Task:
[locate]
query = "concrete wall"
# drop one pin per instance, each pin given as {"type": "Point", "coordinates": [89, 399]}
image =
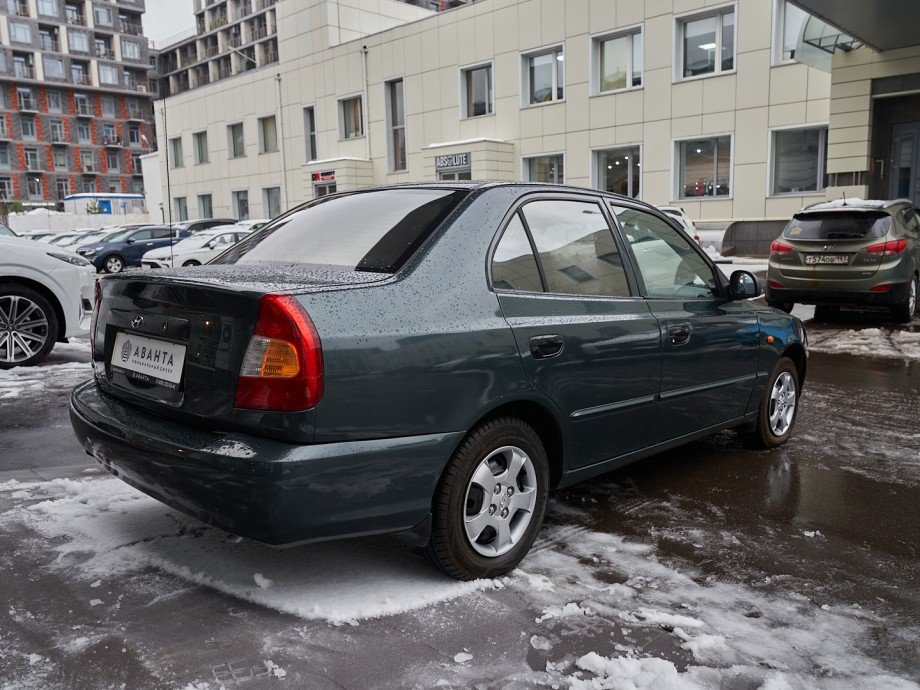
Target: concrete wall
{"type": "Point", "coordinates": [62, 222]}
{"type": "Point", "coordinates": [316, 70]}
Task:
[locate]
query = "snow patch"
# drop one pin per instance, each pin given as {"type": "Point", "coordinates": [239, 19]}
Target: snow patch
{"type": "Point", "coordinates": [462, 657]}
{"type": "Point", "coordinates": [262, 581]}
{"type": "Point", "coordinates": [570, 609]}
{"type": "Point", "coordinates": [873, 342]}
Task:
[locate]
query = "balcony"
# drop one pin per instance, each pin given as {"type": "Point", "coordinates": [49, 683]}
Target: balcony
{"type": "Point", "coordinates": [224, 72]}
{"type": "Point", "coordinates": [50, 45]}
{"type": "Point", "coordinates": [112, 142]}
{"type": "Point", "coordinates": [84, 110]}
{"type": "Point", "coordinates": [58, 138]}
{"type": "Point", "coordinates": [76, 20]}
{"type": "Point", "coordinates": [217, 23]}
{"type": "Point", "coordinates": [89, 167]}
{"type": "Point", "coordinates": [33, 165]}
{"type": "Point", "coordinates": [259, 32]}
{"type": "Point", "coordinates": [235, 41]}
{"type": "Point", "coordinates": [28, 103]}
{"type": "Point", "coordinates": [24, 71]}
{"type": "Point", "coordinates": [82, 80]}
{"type": "Point", "coordinates": [21, 8]}
{"type": "Point", "coordinates": [264, 4]}
{"type": "Point", "coordinates": [131, 28]}
{"type": "Point", "coordinates": [137, 113]}
{"type": "Point", "coordinates": [270, 57]}
{"type": "Point", "coordinates": [105, 53]}
{"type": "Point", "coordinates": [211, 51]}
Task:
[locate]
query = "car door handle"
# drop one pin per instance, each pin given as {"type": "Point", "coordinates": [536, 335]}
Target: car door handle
{"type": "Point", "coordinates": [545, 346]}
{"type": "Point", "coordinates": [150, 244]}
{"type": "Point", "coordinates": [679, 333]}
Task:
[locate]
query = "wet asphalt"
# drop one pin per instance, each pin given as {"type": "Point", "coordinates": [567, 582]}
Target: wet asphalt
{"type": "Point", "coordinates": [832, 516]}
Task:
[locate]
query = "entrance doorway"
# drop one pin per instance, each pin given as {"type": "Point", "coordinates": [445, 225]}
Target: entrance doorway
{"type": "Point", "coordinates": [905, 162]}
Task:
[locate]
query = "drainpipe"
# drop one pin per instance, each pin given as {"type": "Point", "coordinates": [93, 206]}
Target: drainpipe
{"type": "Point", "coordinates": [281, 146]}
{"type": "Point", "coordinates": [364, 108]}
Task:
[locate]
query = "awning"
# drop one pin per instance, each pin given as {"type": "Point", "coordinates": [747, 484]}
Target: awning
{"type": "Point", "coordinates": [880, 24]}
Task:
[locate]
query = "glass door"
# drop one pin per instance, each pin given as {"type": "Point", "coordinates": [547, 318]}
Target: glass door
{"type": "Point", "coordinates": [904, 162]}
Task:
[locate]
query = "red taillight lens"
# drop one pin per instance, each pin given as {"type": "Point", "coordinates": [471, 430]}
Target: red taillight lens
{"type": "Point", "coordinates": [283, 366]}
{"type": "Point", "coordinates": [774, 284]}
{"type": "Point", "coordinates": [889, 248]}
{"type": "Point", "coordinates": [97, 303]}
{"type": "Point", "coordinates": [881, 288]}
{"type": "Point", "coordinates": [780, 248]}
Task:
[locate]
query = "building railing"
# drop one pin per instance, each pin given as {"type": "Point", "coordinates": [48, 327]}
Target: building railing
{"type": "Point", "coordinates": [235, 41]}
{"type": "Point", "coordinates": [135, 114]}
{"type": "Point", "coordinates": [76, 20]}
{"type": "Point", "coordinates": [271, 56]}
{"type": "Point", "coordinates": [50, 45]}
{"type": "Point", "coordinates": [112, 141]}
{"type": "Point", "coordinates": [211, 51]}
{"type": "Point", "coordinates": [224, 72]}
{"type": "Point", "coordinates": [131, 28]}
{"type": "Point", "coordinates": [218, 22]}
{"type": "Point", "coordinates": [34, 165]}
{"type": "Point", "coordinates": [24, 71]}
{"type": "Point", "coordinates": [84, 109]}
{"type": "Point", "coordinates": [82, 80]}
{"type": "Point", "coordinates": [105, 53]}
{"type": "Point", "coordinates": [259, 32]}
{"type": "Point", "coordinates": [58, 138]}
{"type": "Point", "coordinates": [22, 9]}
{"type": "Point", "coordinates": [263, 4]}
{"type": "Point", "coordinates": [27, 103]}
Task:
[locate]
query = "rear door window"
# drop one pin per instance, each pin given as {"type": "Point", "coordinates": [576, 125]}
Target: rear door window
{"type": "Point", "coordinates": [838, 226]}
{"type": "Point", "coordinates": [575, 247]}
{"type": "Point", "coordinates": [142, 235]}
{"type": "Point", "coordinates": [514, 266]}
{"type": "Point", "coordinates": [374, 231]}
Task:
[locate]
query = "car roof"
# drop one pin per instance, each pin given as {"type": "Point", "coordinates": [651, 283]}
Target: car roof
{"type": "Point", "coordinates": [855, 205]}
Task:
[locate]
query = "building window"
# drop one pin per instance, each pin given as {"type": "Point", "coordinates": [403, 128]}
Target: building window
{"type": "Point", "coordinates": [26, 99]}
{"type": "Point", "coordinates": [617, 61]}
{"type": "Point", "coordinates": [35, 187]}
{"type": "Point", "coordinates": [82, 102]}
{"type": "Point", "coordinates": [108, 74]}
{"type": "Point", "coordinates": [109, 133]}
{"type": "Point", "coordinates": [237, 143]}
{"type": "Point", "coordinates": [88, 185]}
{"type": "Point", "coordinates": [78, 41]}
{"type": "Point", "coordinates": [55, 105]}
{"type": "Point", "coordinates": [89, 162]}
{"type": "Point", "coordinates": [130, 50]}
{"type": "Point", "coordinates": [241, 204]}
{"type": "Point", "coordinates": [136, 163]}
{"type": "Point", "coordinates": [57, 130]}
{"type": "Point", "coordinates": [20, 32]}
{"type": "Point", "coordinates": [137, 186]}
{"type": "Point", "coordinates": [112, 187]}
{"type": "Point", "coordinates": [799, 160]}
{"type": "Point", "coordinates": [205, 206]}
{"type": "Point", "coordinates": [62, 184]}
{"type": "Point", "coordinates": [396, 122]}
{"type": "Point", "coordinates": [134, 135]}
{"type": "Point", "coordinates": [4, 156]}
{"type": "Point", "coordinates": [704, 167]}
{"type": "Point", "coordinates": [28, 126]}
{"type": "Point", "coordinates": [477, 90]}
{"type": "Point", "coordinates": [113, 161]}
{"type": "Point", "coordinates": [60, 158]}
{"type": "Point", "coordinates": [6, 188]}
{"type": "Point", "coordinates": [268, 135]}
{"type": "Point", "coordinates": [309, 130]}
{"type": "Point", "coordinates": [48, 8]}
{"type": "Point", "coordinates": [32, 160]}
{"type": "Point", "coordinates": [84, 134]}
{"type": "Point", "coordinates": [54, 67]}
{"type": "Point", "coordinates": [108, 106]}
{"type": "Point", "coordinates": [619, 170]}
{"type": "Point", "coordinates": [789, 22]}
{"type": "Point", "coordinates": [544, 76]}
{"type": "Point", "coordinates": [103, 16]}
{"type": "Point", "coordinates": [322, 189]}
{"type": "Point", "coordinates": [175, 153]}
{"type": "Point", "coordinates": [707, 43]}
{"type": "Point", "coordinates": [545, 169]}
{"type": "Point", "coordinates": [271, 198]}
{"type": "Point", "coordinates": [351, 124]}
{"type": "Point", "coordinates": [200, 141]}
{"type": "Point", "coordinates": [181, 208]}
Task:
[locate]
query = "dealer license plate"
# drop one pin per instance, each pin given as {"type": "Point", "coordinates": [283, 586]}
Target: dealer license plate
{"type": "Point", "coordinates": [833, 259]}
{"type": "Point", "coordinates": [147, 359]}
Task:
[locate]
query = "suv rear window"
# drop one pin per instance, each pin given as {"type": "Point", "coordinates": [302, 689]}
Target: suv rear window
{"type": "Point", "coordinates": [367, 231]}
{"type": "Point", "coordinates": [837, 226]}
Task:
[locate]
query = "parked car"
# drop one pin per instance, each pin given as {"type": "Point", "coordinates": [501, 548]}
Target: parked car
{"type": "Point", "coordinates": [61, 239]}
{"type": "Point", "coordinates": [45, 298]}
{"type": "Point", "coordinates": [252, 225]}
{"type": "Point", "coordinates": [124, 249]}
{"type": "Point", "coordinates": [401, 359]}
{"type": "Point", "coordinates": [848, 253]}
{"type": "Point", "coordinates": [6, 231]}
{"type": "Point", "coordinates": [194, 226]}
{"type": "Point", "coordinates": [195, 250]}
{"type": "Point", "coordinates": [41, 235]}
{"type": "Point", "coordinates": [678, 214]}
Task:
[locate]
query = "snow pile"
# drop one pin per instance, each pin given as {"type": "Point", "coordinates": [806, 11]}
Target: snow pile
{"type": "Point", "coordinates": [877, 342]}
{"type": "Point", "coordinates": [23, 381]}
{"type": "Point", "coordinates": [103, 527]}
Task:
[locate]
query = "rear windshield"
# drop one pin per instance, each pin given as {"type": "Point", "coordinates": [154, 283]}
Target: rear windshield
{"type": "Point", "coordinates": [837, 226]}
{"type": "Point", "coordinates": [367, 231]}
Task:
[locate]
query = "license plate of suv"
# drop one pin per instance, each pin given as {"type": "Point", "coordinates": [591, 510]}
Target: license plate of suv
{"type": "Point", "coordinates": [832, 259]}
{"type": "Point", "coordinates": [147, 359]}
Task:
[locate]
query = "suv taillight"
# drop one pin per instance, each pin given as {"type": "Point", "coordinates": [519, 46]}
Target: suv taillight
{"type": "Point", "coordinates": [889, 248]}
{"type": "Point", "coordinates": [282, 369]}
{"type": "Point", "coordinates": [97, 303]}
{"type": "Point", "coordinates": [780, 248]}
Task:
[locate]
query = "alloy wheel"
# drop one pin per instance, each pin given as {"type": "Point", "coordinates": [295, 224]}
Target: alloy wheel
{"type": "Point", "coordinates": [782, 404]}
{"type": "Point", "coordinates": [500, 501]}
{"type": "Point", "coordinates": [912, 298]}
{"type": "Point", "coordinates": [113, 264]}
{"type": "Point", "coordinates": [23, 329]}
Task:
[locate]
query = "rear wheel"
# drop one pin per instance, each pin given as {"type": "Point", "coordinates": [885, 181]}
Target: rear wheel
{"type": "Point", "coordinates": [905, 311]}
{"type": "Point", "coordinates": [784, 306]}
{"type": "Point", "coordinates": [490, 502]}
{"type": "Point", "coordinates": [113, 264]}
{"type": "Point", "coordinates": [28, 327]}
{"type": "Point", "coordinates": [192, 262]}
{"type": "Point", "coordinates": [778, 406]}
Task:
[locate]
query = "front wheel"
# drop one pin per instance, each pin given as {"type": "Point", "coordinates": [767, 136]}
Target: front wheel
{"type": "Point", "coordinates": [191, 262]}
{"type": "Point", "coordinates": [490, 502]}
{"type": "Point", "coordinates": [778, 406]}
{"type": "Point", "coordinates": [28, 327]}
{"type": "Point", "coordinates": [905, 311]}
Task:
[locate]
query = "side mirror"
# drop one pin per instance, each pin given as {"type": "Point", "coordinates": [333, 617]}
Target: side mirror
{"type": "Point", "coordinates": [743, 285]}
{"type": "Point", "coordinates": [131, 240]}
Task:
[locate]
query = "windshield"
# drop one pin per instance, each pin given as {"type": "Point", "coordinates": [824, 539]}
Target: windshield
{"type": "Point", "coordinates": [837, 226]}
{"type": "Point", "coordinates": [367, 231]}
{"type": "Point", "coordinates": [6, 231]}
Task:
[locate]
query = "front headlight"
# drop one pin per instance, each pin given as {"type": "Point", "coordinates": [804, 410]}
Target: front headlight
{"type": "Point", "coordinates": [69, 258]}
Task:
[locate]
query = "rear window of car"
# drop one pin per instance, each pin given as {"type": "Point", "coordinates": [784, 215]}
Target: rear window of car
{"type": "Point", "coordinates": [837, 226]}
{"type": "Point", "coordinates": [367, 231]}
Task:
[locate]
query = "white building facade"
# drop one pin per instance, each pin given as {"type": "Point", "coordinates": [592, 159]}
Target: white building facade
{"type": "Point", "coordinates": [686, 102]}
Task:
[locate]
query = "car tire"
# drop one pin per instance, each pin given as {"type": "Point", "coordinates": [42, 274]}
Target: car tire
{"type": "Point", "coordinates": [904, 312]}
{"type": "Point", "coordinates": [191, 262]}
{"type": "Point", "coordinates": [113, 264]}
{"type": "Point", "coordinates": [463, 505]}
{"type": "Point", "coordinates": [34, 325]}
{"type": "Point", "coordinates": [778, 408]}
{"type": "Point", "coordinates": [783, 306]}
{"type": "Point", "coordinates": [823, 313]}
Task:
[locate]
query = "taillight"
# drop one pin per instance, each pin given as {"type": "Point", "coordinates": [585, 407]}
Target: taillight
{"type": "Point", "coordinates": [889, 248]}
{"type": "Point", "coordinates": [881, 288]}
{"type": "Point", "coordinates": [775, 284]}
{"type": "Point", "coordinates": [282, 369]}
{"type": "Point", "coordinates": [780, 248]}
{"type": "Point", "coordinates": [97, 303]}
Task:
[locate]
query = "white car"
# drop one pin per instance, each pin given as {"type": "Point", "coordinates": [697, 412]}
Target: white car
{"type": "Point", "coordinates": [195, 250]}
{"type": "Point", "coordinates": [46, 296]}
{"type": "Point", "coordinates": [678, 214]}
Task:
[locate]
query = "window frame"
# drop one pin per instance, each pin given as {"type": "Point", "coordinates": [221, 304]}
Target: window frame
{"type": "Point", "coordinates": [778, 35]}
{"type": "Point", "coordinates": [234, 203]}
{"type": "Point", "coordinates": [231, 143]}
{"type": "Point", "coordinates": [263, 148]}
{"type": "Point", "coordinates": [824, 128]}
{"type": "Point", "coordinates": [628, 32]}
{"type": "Point", "coordinates": [596, 162]}
{"type": "Point", "coordinates": [210, 210]}
{"type": "Point", "coordinates": [176, 153]}
{"type": "Point", "coordinates": [390, 87]}
{"type": "Point", "coordinates": [181, 210]}
{"type": "Point", "coordinates": [525, 166]}
{"type": "Point", "coordinates": [675, 168]}
{"type": "Point", "coordinates": [680, 22]}
{"type": "Point", "coordinates": [196, 146]}
{"type": "Point", "coordinates": [465, 73]}
{"type": "Point", "coordinates": [529, 55]}
{"type": "Point", "coordinates": [341, 109]}
{"type": "Point", "coordinates": [618, 239]}
{"type": "Point", "coordinates": [309, 131]}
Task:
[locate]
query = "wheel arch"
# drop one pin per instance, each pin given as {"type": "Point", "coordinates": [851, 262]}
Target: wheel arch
{"type": "Point", "coordinates": [45, 292]}
{"type": "Point", "coordinates": [796, 352]}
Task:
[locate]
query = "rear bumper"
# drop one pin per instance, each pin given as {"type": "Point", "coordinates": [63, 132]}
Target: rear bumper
{"type": "Point", "coordinates": [274, 492]}
{"type": "Point", "coordinates": [840, 298]}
